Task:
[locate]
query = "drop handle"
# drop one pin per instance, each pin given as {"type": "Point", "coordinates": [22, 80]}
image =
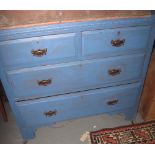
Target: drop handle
{"type": "Point", "coordinates": [44, 82]}
{"type": "Point", "coordinates": [112, 102]}
{"type": "Point", "coordinates": [114, 71]}
{"type": "Point", "coordinates": [50, 113]}
{"type": "Point", "coordinates": [39, 52]}
{"type": "Point", "coordinates": [118, 42]}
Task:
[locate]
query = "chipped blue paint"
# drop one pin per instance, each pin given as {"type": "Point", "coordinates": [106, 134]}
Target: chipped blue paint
{"type": "Point", "coordinates": [79, 68]}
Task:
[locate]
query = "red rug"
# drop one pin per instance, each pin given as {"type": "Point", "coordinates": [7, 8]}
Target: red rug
{"type": "Point", "coordinates": [143, 133]}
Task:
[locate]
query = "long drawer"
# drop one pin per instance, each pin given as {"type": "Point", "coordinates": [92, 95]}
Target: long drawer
{"type": "Point", "coordinates": [77, 76]}
{"type": "Point", "coordinates": [49, 110]}
{"type": "Point", "coordinates": [38, 50]}
{"type": "Point", "coordinates": [114, 41]}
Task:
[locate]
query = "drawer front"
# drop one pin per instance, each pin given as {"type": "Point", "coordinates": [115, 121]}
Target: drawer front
{"type": "Point", "coordinates": [37, 50]}
{"type": "Point", "coordinates": [114, 41]}
{"type": "Point", "coordinates": [63, 107]}
{"type": "Point", "coordinates": [71, 77]}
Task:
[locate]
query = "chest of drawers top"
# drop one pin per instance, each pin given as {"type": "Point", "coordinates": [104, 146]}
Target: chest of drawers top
{"type": "Point", "coordinates": [17, 19]}
{"type": "Point", "coordinates": [23, 24]}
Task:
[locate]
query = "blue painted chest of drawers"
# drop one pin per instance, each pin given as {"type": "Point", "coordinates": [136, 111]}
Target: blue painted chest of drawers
{"type": "Point", "coordinates": [64, 71]}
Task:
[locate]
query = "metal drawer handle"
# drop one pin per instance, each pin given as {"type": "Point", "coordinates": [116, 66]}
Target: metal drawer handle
{"type": "Point", "coordinates": [50, 113]}
{"type": "Point", "coordinates": [39, 52]}
{"type": "Point", "coordinates": [118, 42]}
{"type": "Point", "coordinates": [112, 102]}
{"type": "Point", "coordinates": [114, 72]}
{"type": "Point", "coordinates": [44, 82]}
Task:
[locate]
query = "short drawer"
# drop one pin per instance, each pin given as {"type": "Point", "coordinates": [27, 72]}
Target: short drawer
{"type": "Point", "coordinates": [76, 76]}
{"type": "Point", "coordinates": [39, 50]}
{"type": "Point", "coordinates": [114, 41]}
{"type": "Point", "coordinates": [49, 110]}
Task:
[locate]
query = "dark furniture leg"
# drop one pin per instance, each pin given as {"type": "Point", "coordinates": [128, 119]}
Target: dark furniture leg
{"type": "Point", "coordinates": [2, 110]}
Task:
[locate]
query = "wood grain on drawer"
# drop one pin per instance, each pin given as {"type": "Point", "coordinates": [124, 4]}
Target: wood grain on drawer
{"type": "Point", "coordinates": [76, 76]}
{"type": "Point", "coordinates": [114, 41]}
{"type": "Point", "coordinates": [54, 109]}
{"type": "Point", "coordinates": [37, 50]}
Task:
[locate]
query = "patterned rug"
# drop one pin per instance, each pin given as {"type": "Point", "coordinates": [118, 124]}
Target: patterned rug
{"type": "Point", "coordinates": [143, 133]}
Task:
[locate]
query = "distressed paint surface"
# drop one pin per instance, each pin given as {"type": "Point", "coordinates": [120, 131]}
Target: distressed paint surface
{"type": "Point", "coordinates": [78, 104]}
{"type": "Point", "coordinates": [99, 42]}
{"type": "Point", "coordinates": [19, 52]}
{"type": "Point", "coordinates": [134, 58]}
{"type": "Point", "coordinates": [77, 76]}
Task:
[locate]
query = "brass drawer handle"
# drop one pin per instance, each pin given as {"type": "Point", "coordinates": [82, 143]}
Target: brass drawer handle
{"type": "Point", "coordinates": [114, 72]}
{"type": "Point", "coordinates": [50, 113]}
{"type": "Point", "coordinates": [44, 82]}
{"type": "Point", "coordinates": [112, 102]}
{"type": "Point", "coordinates": [118, 42]}
{"type": "Point", "coordinates": [39, 52]}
